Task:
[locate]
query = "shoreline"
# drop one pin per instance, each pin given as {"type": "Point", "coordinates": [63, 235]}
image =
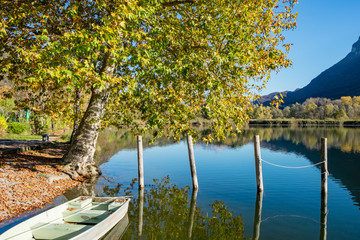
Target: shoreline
{"type": "Point", "coordinates": [31, 179]}
{"type": "Point", "coordinates": [205, 123]}
{"type": "Point", "coordinates": [303, 123]}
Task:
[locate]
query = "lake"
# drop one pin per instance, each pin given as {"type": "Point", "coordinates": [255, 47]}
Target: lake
{"type": "Point", "coordinates": [227, 205]}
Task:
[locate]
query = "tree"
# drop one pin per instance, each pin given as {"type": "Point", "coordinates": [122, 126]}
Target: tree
{"type": "Point", "coordinates": [310, 110]}
{"type": "Point", "coordinates": [143, 64]}
{"type": "Point", "coordinates": [329, 110]}
{"type": "Point", "coordinates": [297, 110]}
{"type": "Point", "coordinates": [346, 100]}
{"type": "Point", "coordinates": [276, 113]}
{"type": "Point", "coordinates": [287, 112]}
{"type": "Point", "coordinates": [356, 100]}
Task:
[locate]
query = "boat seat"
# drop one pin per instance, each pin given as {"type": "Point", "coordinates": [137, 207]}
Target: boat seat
{"type": "Point", "coordinates": [88, 217]}
{"type": "Point", "coordinates": [59, 231]}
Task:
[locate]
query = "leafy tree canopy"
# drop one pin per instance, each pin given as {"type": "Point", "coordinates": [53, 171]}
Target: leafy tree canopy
{"type": "Point", "coordinates": [161, 61]}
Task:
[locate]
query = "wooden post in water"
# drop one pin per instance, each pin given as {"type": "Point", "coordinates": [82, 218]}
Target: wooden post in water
{"type": "Point", "coordinates": [192, 162]}
{"type": "Point", "coordinates": [140, 162]}
{"type": "Point", "coordinates": [324, 166]}
{"type": "Point", "coordinates": [141, 210]}
{"type": "Point", "coordinates": [259, 177]}
{"type": "Point", "coordinates": [257, 217]}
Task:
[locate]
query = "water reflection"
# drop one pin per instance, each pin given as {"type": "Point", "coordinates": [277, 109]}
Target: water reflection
{"type": "Point", "coordinates": [323, 216]}
{"type": "Point", "coordinates": [347, 140]}
{"type": "Point", "coordinates": [343, 147]}
{"type": "Point", "coordinates": [257, 217]}
{"type": "Point", "coordinates": [281, 203]}
{"type": "Point", "coordinates": [164, 211]}
{"type": "Point", "coordinates": [84, 189]}
{"type": "Point", "coordinates": [141, 210]}
{"type": "Point", "coordinates": [192, 211]}
{"type": "Point", "coordinates": [117, 232]}
{"type": "Point", "coordinates": [344, 139]}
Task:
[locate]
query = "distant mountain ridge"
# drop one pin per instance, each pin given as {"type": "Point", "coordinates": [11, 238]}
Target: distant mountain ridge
{"type": "Point", "coordinates": [342, 79]}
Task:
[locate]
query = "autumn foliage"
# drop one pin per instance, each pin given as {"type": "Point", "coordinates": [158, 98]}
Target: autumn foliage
{"type": "Point", "coordinates": [147, 65]}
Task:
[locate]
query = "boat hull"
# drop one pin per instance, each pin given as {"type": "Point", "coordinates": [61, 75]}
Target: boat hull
{"type": "Point", "coordinates": [71, 220]}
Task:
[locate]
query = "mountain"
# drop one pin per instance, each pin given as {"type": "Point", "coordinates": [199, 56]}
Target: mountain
{"type": "Point", "coordinates": [266, 99]}
{"type": "Point", "coordinates": [342, 79]}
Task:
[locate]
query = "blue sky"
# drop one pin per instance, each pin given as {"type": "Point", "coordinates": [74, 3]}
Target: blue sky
{"type": "Point", "coordinates": [326, 30]}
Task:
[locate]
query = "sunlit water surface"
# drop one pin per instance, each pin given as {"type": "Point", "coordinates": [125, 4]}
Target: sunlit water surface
{"type": "Point", "coordinates": [291, 201]}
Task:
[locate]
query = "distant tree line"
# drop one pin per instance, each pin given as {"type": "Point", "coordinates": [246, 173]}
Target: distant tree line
{"type": "Point", "coordinates": [312, 108]}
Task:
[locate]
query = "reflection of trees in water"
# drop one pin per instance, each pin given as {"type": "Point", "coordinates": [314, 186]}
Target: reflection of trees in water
{"type": "Point", "coordinates": [347, 139]}
{"type": "Point", "coordinates": [111, 141]}
{"type": "Point", "coordinates": [86, 188]}
{"type": "Point", "coordinates": [167, 212]}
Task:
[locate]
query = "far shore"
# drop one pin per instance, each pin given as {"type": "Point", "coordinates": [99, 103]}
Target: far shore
{"type": "Point", "coordinates": [204, 123]}
{"type": "Point", "coordinates": [303, 123]}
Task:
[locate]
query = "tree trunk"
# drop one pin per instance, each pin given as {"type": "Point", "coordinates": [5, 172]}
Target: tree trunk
{"type": "Point", "coordinates": [76, 113]}
{"type": "Point", "coordinates": [80, 156]}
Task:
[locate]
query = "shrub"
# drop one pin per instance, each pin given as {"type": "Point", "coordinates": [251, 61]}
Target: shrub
{"type": "Point", "coordinates": [3, 125]}
{"type": "Point", "coordinates": [66, 137]}
{"type": "Point", "coordinates": [39, 123]}
{"type": "Point", "coordinates": [17, 128]}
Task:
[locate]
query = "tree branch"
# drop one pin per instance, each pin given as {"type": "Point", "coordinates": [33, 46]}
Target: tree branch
{"type": "Point", "coordinates": [174, 3]}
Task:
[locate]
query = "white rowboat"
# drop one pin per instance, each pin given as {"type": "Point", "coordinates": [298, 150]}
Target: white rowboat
{"type": "Point", "coordinates": [81, 218]}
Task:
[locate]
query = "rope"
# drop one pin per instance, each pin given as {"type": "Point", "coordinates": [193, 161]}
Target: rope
{"type": "Point", "coordinates": [276, 165]}
{"type": "Point", "coordinates": [295, 216]}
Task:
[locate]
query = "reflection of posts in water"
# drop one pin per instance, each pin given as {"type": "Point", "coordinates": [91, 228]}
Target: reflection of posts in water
{"type": "Point", "coordinates": [257, 217]}
{"type": "Point", "coordinates": [192, 211]}
{"type": "Point", "coordinates": [324, 189]}
{"type": "Point", "coordinates": [323, 216]}
{"type": "Point", "coordinates": [141, 209]}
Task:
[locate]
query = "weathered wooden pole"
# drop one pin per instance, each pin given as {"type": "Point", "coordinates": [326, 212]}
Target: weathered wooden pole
{"type": "Point", "coordinates": [192, 162]}
{"type": "Point", "coordinates": [257, 217]}
{"type": "Point", "coordinates": [192, 211]}
{"type": "Point", "coordinates": [141, 210]}
{"type": "Point", "coordinates": [324, 190]}
{"type": "Point", "coordinates": [259, 177]}
{"type": "Point", "coordinates": [324, 166]}
{"type": "Point", "coordinates": [140, 162]}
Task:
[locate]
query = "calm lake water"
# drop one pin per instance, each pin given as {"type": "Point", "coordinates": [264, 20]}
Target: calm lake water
{"type": "Point", "coordinates": [226, 205]}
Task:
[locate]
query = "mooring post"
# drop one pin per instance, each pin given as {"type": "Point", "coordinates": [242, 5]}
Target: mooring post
{"type": "Point", "coordinates": [140, 161]}
{"type": "Point", "coordinates": [192, 162]}
{"type": "Point", "coordinates": [259, 177]}
{"type": "Point", "coordinates": [324, 166]}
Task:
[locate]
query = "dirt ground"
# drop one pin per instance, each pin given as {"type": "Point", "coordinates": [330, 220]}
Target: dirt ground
{"type": "Point", "coordinates": [31, 179]}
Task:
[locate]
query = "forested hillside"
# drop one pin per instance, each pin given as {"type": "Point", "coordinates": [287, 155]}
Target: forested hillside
{"type": "Point", "coordinates": [342, 79]}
